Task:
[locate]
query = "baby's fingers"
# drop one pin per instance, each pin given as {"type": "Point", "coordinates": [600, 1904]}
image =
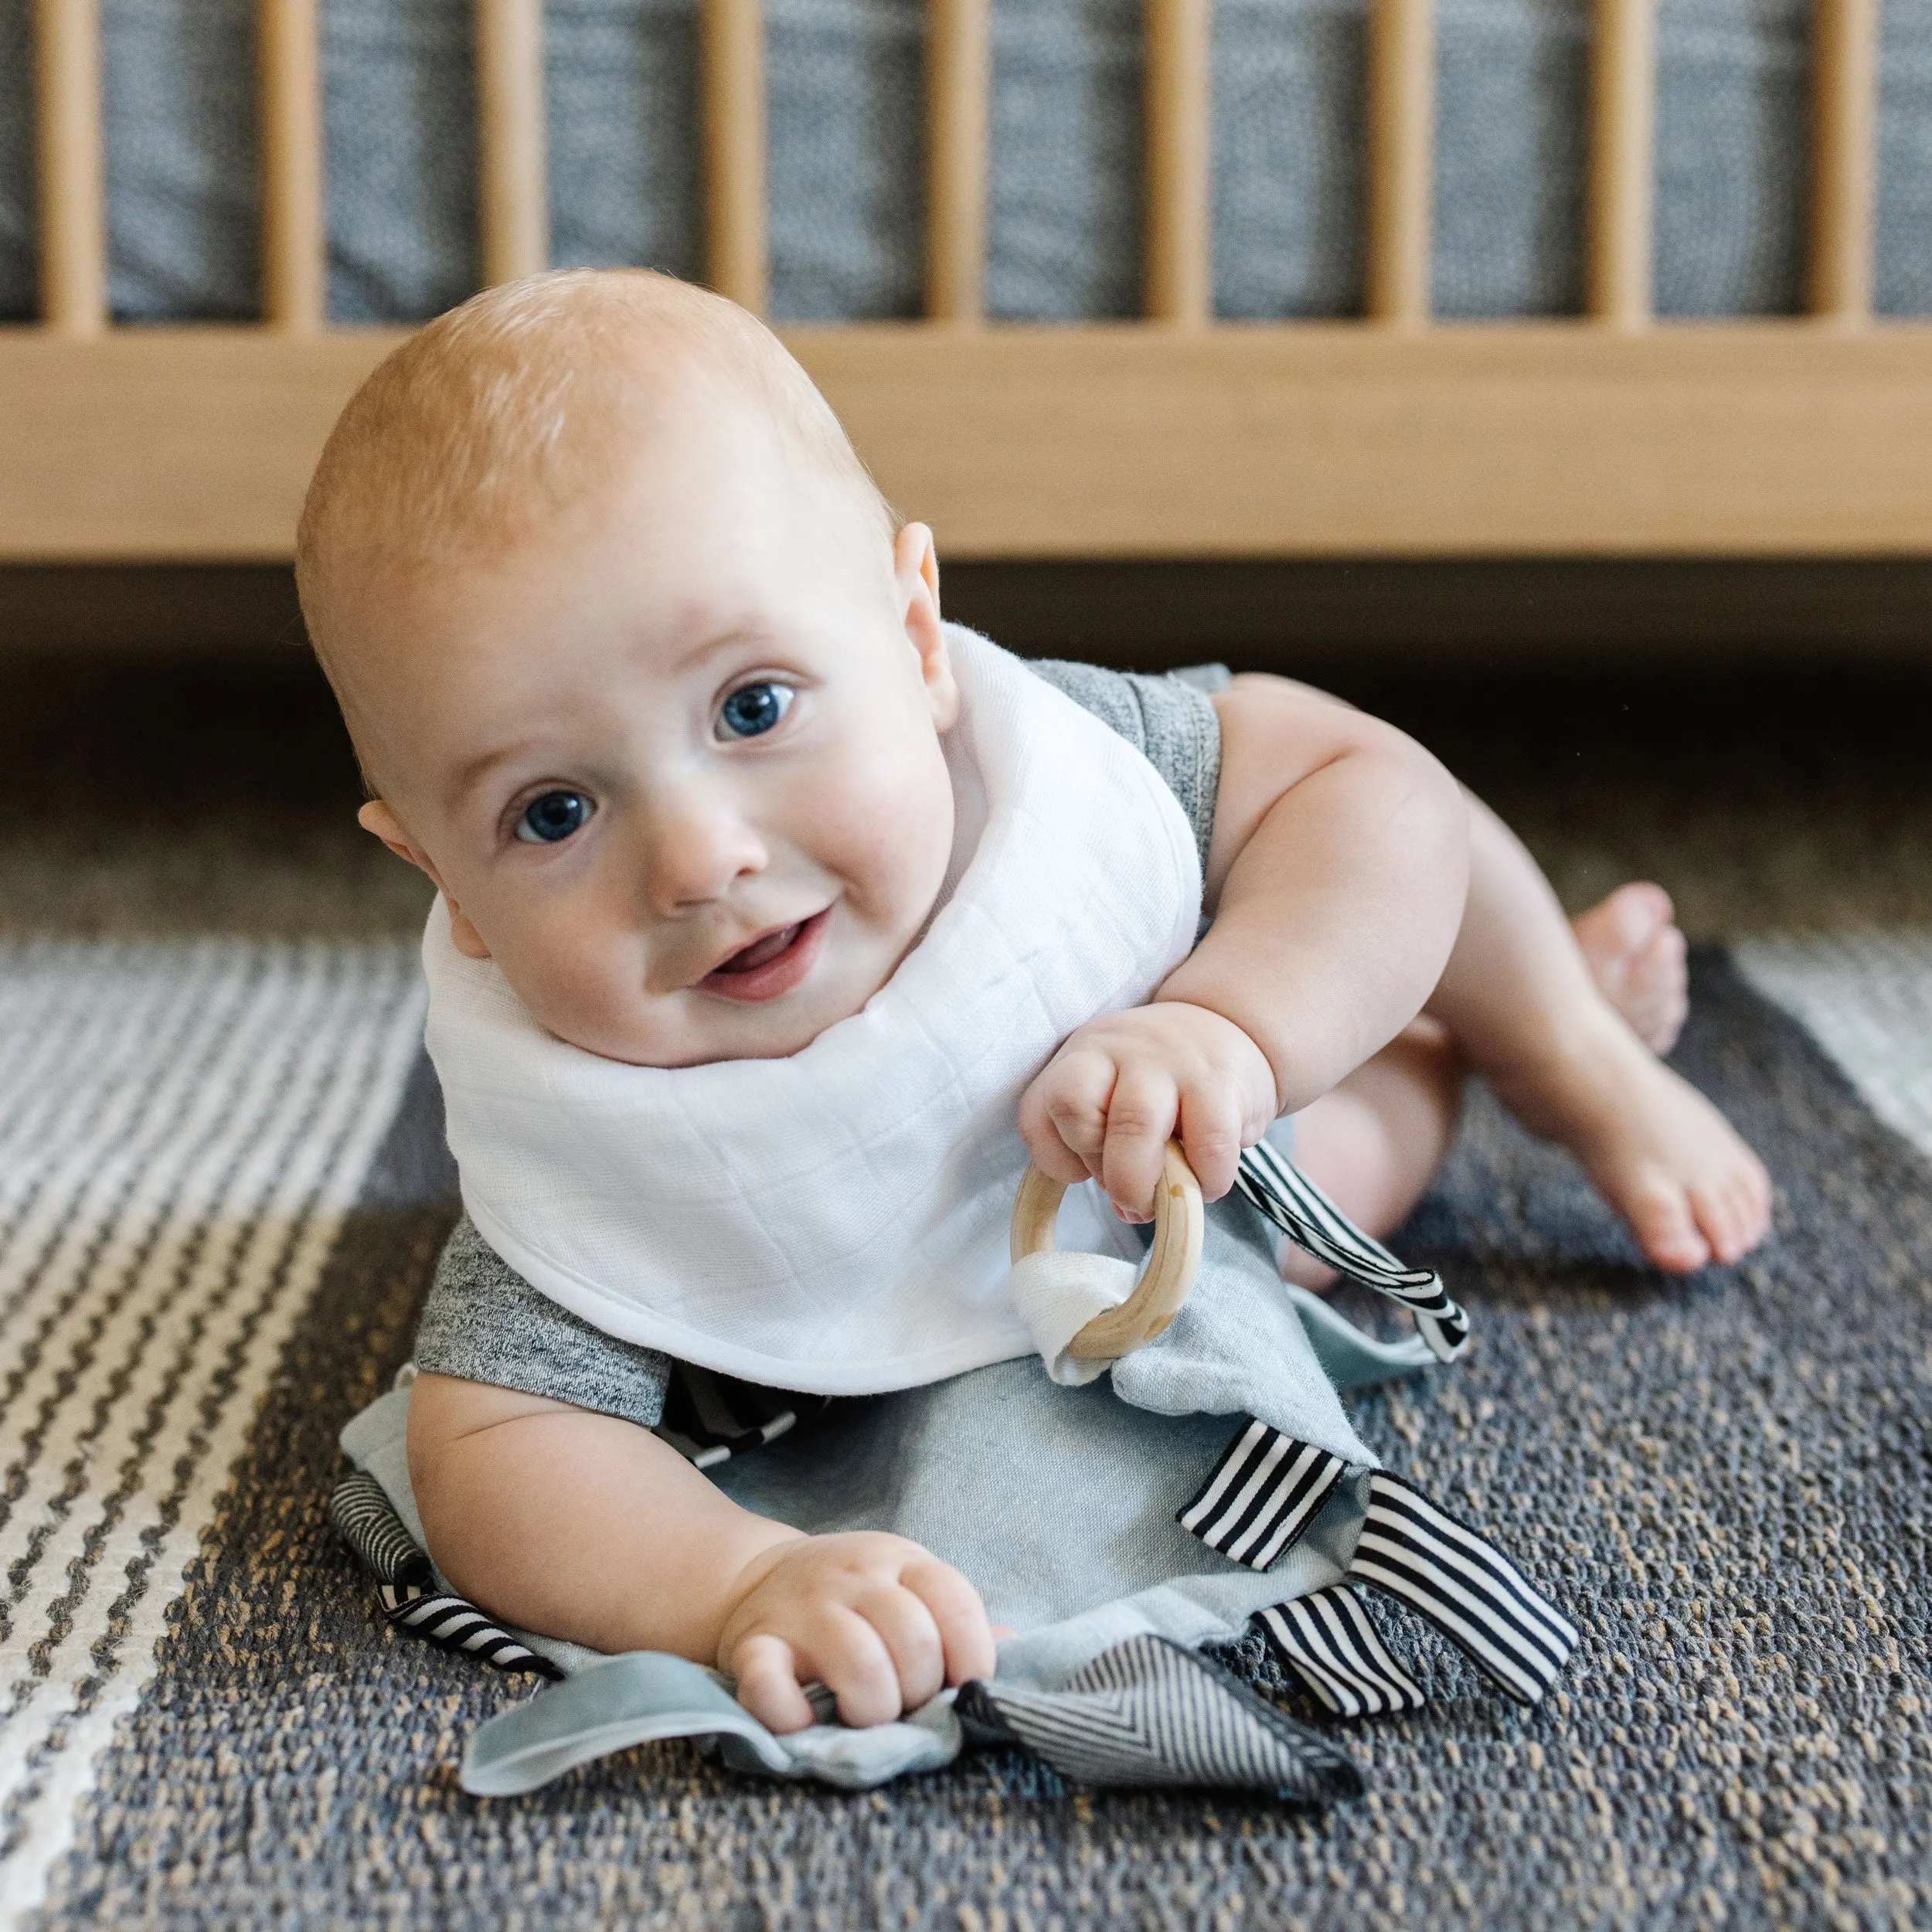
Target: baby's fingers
{"type": "Point", "coordinates": [965, 1637]}
{"type": "Point", "coordinates": [767, 1676]}
{"type": "Point", "coordinates": [1211, 1135]}
{"type": "Point", "coordinates": [907, 1628]}
{"type": "Point", "coordinates": [1063, 1115]}
{"type": "Point", "coordinates": [1140, 1123]}
{"type": "Point", "coordinates": [858, 1668]}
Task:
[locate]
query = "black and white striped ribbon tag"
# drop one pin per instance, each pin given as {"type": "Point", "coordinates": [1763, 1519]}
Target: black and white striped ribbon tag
{"type": "Point", "coordinates": [1309, 1219]}
{"type": "Point", "coordinates": [1328, 1642]}
{"type": "Point", "coordinates": [1264, 1492]}
{"type": "Point", "coordinates": [1421, 1555]}
{"type": "Point", "coordinates": [455, 1623]}
{"type": "Point", "coordinates": [365, 1519]}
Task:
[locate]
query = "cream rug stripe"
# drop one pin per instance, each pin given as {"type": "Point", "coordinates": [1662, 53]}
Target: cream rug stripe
{"type": "Point", "coordinates": [1866, 997]}
{"type": "Point", "coordinates": [56, 1122]}
{"type": "Point", "coordinates": [183, 1127]}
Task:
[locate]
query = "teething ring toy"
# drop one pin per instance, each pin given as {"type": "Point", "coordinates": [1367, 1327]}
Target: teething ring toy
{"type": "Point", "coordinates": [1172, 1262]}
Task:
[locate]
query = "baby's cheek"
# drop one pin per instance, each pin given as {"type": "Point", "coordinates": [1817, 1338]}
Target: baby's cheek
{"type": "Point", "coordinates": [586, 984]}
{"type": "Point", "coordinates": [888, 836]}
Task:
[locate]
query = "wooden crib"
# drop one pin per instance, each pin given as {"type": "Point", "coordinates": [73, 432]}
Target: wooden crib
{"type": "Point", "coordinates": [1174, 436]}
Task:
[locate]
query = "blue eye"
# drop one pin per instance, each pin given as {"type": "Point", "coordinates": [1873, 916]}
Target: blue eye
{"type": "Point", "coordinates": [553, 817]}
{"type": "Point", "coordinates": [753, 708]}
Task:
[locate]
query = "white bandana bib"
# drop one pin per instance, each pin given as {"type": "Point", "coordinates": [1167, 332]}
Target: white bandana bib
{"type": "Point", "coordinates": [836, 1222]}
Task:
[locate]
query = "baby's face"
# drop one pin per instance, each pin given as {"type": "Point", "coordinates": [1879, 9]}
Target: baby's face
{"type": "Point", "coordinates": [675, 761]}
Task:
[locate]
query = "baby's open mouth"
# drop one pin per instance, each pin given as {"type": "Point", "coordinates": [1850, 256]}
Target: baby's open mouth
{"type": "Point", "coordinates": [771, 964]}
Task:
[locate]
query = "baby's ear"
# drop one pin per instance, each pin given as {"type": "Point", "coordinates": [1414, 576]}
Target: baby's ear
{"type": "Point", "coordinates": [916, 571]}
{"type": "Point", "coordinates": [375, 817]}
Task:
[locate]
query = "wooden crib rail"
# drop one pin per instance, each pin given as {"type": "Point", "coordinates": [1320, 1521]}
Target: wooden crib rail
{"type": "Point", "coordinates": [1394, 435]}
{"type": "Point", "coordinates": [67, 156]}
{"type": "Point", "coordinates": [959, 65]}
{"type": "Point", "coordinates": [736, 252]}
{"type": "Point", "coordinates": [1623, 124]}
{"type": "Point", "coordinates": [1401, 160]}
{"type": "Point", "coordinates": [294, 246]}
{"type": "Point", "coordinates": [511, 173]}
{"type": "Point", "coordinates": [1844, 143]}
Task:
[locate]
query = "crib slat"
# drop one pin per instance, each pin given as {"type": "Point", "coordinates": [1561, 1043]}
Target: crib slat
{"type": "Point", "coordinates": [511, 182]}
{"type": "Point", "coordinates": [958, 70]}
{"type": "Point", "coordinates": [1843, 133]}
{"type": "Point", "coordinates": [1179, 54]}
{"type": "Point", "coordinates": [73, 247]}
{"type": "Point", "coordinates": [289, 78]}
{"type": "Point", "coordinates": [1401, 58]}
{"type": "Point", "coordinates": [735, 255]}
{"type": "Point", "coordinates": [1623, 119]}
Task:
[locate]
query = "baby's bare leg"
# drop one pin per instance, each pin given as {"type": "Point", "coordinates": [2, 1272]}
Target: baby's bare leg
{"type": "Point", "coordinates": [1549, 1014]}
{"type": "Point", "coordinates": [1374, 1143]}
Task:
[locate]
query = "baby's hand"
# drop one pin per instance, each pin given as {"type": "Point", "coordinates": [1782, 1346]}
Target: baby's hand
{"type": "Point", "coordinates": [883, 1624]}
{"type": "Point", "coordinates": [1123, 1086]}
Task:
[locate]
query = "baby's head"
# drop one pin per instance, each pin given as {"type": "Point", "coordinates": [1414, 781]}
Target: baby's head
{"type": "Point", "coordinates": [640, 669]}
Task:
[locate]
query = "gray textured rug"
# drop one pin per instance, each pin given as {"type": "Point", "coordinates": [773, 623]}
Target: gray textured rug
{"type": "Point", "coordinates": [1725, 1481]}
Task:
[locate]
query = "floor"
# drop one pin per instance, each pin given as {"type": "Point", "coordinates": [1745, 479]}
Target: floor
{"type": "Point", "coordinates": [1741, 1741]}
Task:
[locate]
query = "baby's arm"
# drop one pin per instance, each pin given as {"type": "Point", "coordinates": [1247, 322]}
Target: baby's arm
{"type": "Point", "coordinates": [1336, 879]}
{"type": "Point", "coordinates": [588, 1528]}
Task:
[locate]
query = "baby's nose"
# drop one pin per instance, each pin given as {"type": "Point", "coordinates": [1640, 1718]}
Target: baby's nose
{"type": "Point", "coordinates": [694, 852]}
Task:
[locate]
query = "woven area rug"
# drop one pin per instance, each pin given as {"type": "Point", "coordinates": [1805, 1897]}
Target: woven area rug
{"type": "Point", "coordinates": [222, 1191]}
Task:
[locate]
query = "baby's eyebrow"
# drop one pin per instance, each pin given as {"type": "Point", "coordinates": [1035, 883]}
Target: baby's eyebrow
{"type": "Point", "coordinates": [470, 774]}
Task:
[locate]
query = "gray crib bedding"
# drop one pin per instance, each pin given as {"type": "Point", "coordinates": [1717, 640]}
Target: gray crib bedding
{"type": "Point", "coordinates": [846, 111]}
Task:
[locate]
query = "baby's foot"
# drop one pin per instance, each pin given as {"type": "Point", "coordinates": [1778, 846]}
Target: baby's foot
{"type": "Point", "coordinates": [1635, 953]}
{"type": "Point", "coordinates": [1659, 1152]}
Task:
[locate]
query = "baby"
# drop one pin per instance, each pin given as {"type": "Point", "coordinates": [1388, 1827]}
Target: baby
{"type": "Point", "coordinates": [647, 678]}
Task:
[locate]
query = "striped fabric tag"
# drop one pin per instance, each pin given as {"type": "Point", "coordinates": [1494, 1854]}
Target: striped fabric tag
{"type": "Point", "coordinates": [366, 1520]}
{"type": "Point", "coordinates": [453, 1623]}
{"type": "Point", "coordinates": [1309, 1219]}
{"type": "Point", "coordinates": [1421, 1555]}
{"type": "Point", "coordinates": [1328, 1642]}
{"type": "Point", "coordinates": [1263, 1493]}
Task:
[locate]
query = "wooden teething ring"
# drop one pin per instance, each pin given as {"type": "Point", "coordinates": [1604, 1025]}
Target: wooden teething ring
{"type": "Point", "coordinates": [1171, 1263]}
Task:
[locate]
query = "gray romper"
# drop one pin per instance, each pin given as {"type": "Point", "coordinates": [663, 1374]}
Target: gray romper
{"type": "Point", "coordinates": [1213, 1477]}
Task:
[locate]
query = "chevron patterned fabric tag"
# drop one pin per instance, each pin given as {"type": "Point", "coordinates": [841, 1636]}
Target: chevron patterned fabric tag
{"type": "Point", "coordinates": [1263, 1493]}
{"type": "Point", "coordinates": [1327, 1639]}
{"type": "Point", "coordinates": [1312, 1222]}
{"type": "Point", "coordinates": [1148, 1712]}
{"type": "Point", "coordinates": [1420, 1554]}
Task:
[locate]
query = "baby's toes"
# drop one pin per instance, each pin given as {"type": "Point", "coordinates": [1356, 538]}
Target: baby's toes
{"type": "Point", "coordinates": [1720, 1217]}
{"type": "Point", "coordinates": [1667, 1226]}
{"type": "Point", "coordinates": [1734, 1215]}
{"type": "Point", "coordinates": [1656, 1000]}
{"type": "Point", "coordinates": [1749, 1195]}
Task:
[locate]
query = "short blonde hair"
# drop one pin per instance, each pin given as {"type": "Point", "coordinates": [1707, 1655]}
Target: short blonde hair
{"type": "Point", "coordinates": [503, 412]}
